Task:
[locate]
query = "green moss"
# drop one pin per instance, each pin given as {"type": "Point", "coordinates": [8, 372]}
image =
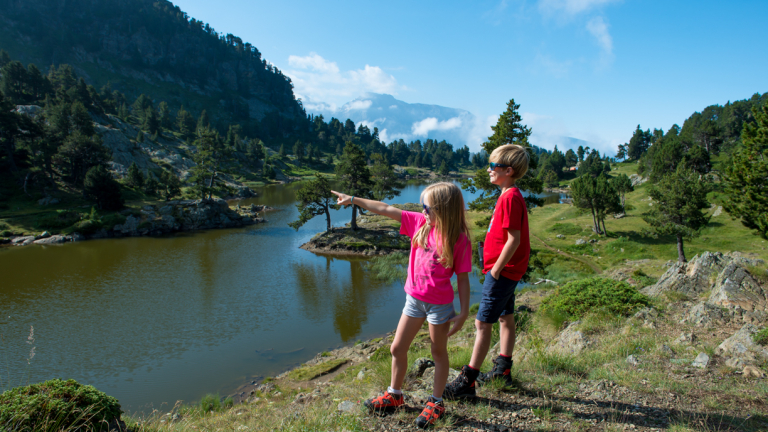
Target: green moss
{"type": "Point", "coordinates": [761, 337]}
{"type": "Point", "coordinates": [306, 373]}
{"type": "Point", "coordinates": [57, 405]}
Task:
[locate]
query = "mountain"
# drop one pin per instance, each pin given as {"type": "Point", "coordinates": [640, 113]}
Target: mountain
{"type": "Point", "coordinates": [153, 47]}
{"type": "Point", "coordinates": [397, 119]}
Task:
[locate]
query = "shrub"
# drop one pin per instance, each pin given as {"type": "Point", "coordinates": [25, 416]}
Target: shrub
{"type": "Point", "coordinates": [575, 299]}
{"type": "Point", "coordinates": [57, 405]}
{"type": "Point", "coordinates": [761, 337]}
{"type": "Point", "coordinates": [58, 220]}
{"type": "Point", "coordinates": [213, 403]}
{"type": "Point", "coordinates": [87, 227]}
{"type": "Point", "coordinates": [565, 229]}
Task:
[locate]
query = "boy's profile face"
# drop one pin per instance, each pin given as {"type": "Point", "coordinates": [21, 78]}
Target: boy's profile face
{"type": "Point", "coordinates": [500, 175]}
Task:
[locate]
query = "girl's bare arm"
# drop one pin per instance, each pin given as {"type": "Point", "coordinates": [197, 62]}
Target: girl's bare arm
{"type": "Point", "coordinates": [377, 207]}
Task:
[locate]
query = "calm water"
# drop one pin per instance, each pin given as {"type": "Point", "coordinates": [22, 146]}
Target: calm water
{"type": "Point", "coordinates": [156, 320]}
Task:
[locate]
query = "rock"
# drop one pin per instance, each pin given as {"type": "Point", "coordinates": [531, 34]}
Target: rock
{"type": "Point", "coordinates": [735, 287]}
{"type": "Point", "coordinates": [718, 211]}
{"type": "Point", "coordinates": [348, 407]}
{"type": "Point", "coordinates": [19, 241]}
{"type": "Point", "coordinates": [741, 346]}
{"type": "Point", "coordinates": [701, 361]}
{"type": "Point", "coordinates": [690, 278]}
{"type": "Point", "coordinates": [130, 227]}
{"type": "Point", "coordinates": [429, 377]}
{"type": "Point", "coordinates": [632, 360]}
{"type": "Point", "coordinates": [751, 371]}
{"type": "Point", "coordinates": [637, 180]}
{"type": "Point", "coordinates": [646, 313]}
{"type": "Point", "coordinates": [29, 110]}
{"type": "Point", "coordinates": [47, 201]}
{"type": "Point", "coordinates": [421, 365]}
{"type": "Point", "coordinates": [735, 362]}
{"type": "Point", "coordinates": [570, 341]}
{"type": "Point", "coordinates": [57, 239]}
{"type": "Point", "coordinates": [667, 351]}
{"type": "Point", "coordinates": [560, 236]}
{"type": "Point", "coordinates": [77, 237]}
{"type": "Point", "coordinates": [580, 242]}
{"type": "Point", "coordinates": [686, 338]}
{"type": "Point", "coordinates": [420, 396]}
{"type": "Point", "coordinates": [44, 235]}
{"type": "Point", "coordinates": [360, 375]}
{"type": "Point", "coordinates": [618, 215]}
{"type": "Point", "coordinates": [704, 314]}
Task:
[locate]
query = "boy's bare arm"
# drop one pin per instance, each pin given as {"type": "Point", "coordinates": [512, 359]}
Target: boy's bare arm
{"type": "Point", "coordinates": [513, 241]}
{"type": "Point", "coordinates": [462, 280]}
{"type": "Point", "coordinates": [377, 207]}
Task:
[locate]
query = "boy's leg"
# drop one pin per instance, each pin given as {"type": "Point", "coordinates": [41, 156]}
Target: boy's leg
{"type": "Point", "coordinates": [407, 329]}
{"type": "Point", "coordinates": [439, 335]}
{"type": "Point", "coordinates": [482, 343]}
{"type": "Point", "coordinates": [507, 334]}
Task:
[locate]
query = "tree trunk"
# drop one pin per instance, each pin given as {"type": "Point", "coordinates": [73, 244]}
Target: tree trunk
{"type": "Point", "coordinates": [680, 251]}
{"type": "Point", "coordinates": [605, 231]}
{"type": "Point", "coordinates": [327, 219]}
{"type": "Point", "coordinates": [353, 224]}
{"type": "Point", "coordinates": [594, 221]}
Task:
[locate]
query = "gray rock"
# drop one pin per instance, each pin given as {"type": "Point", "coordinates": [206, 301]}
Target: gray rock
{"type": "Point", "coordinates": [690, 278]}
{"type": "Point", "coordinates": [348, 407]}
{"type": "Point", "coordinates": [76, 237]}
{"type": "Point", "coordinates": [419, 397]}
{"type": "Point", "coordinates": [570, 341]}
{"type": "Point", "coordinates": [632, 360]}
{"type": "Point", "coordinates": [130, 227]}
{"type": "Point", "coordinates": [735, 287]}
{"type": "Point", "coordinates": [686, 338]}
{"type": "Point", "coordinates": [420, 365]}
{"type": "Point", "coordinates": [667, 351]}
{"type": "Point", "coordinates": [581, 242]}
{"type": "Point", "coordinates": [45, 234]}
{"type": "Point", "coordinates": [29, 110]}
{"type": "Point", "coordinates": [20, 241]}
{"type": "Point", "coordinates": [429, 377]}
{"type": "Point", "coordinates": [57, 239]}
{"type": "Point", "coordinates": [47, 201]}
{"type": "Point", "coordinates": [360, 375]}
{"type": "Point", "coordinates": [704, 314]}
{"type": "Point", "coordinates": [741, 346]}
{"type": "Point", "coordinates": [560, 236]}
{"type": "Point", "coordinates": [637, 180]}
{"type": "Point", "coordinates": [701, 361]}
{"type": "Point", "coordinates": [646, 313]}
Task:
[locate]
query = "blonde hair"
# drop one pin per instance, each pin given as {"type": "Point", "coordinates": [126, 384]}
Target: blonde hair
{"type": "Point", "coordinates": [447, 211]}
{"type": "Point", "coordinates": [513, 155]}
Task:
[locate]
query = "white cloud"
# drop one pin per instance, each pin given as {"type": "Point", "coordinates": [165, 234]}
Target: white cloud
{"type": "Point", "coordinates": [551, 66]}
{"type": "Point", "coordinates": [423, 127]}
{"type": "Point", "coordinates": [599, 29]}
{"type": "Point", "coordinates": [570, 7]}
{"type": "Point", "coordinates": [358, 105]}
{"type": "Point", "coordinates": [316, 79]}
{"type": "Point", "coordinates": [393, 107]}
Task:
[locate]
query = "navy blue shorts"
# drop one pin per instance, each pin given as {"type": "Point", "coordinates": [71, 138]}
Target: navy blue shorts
{"type": "Point", "coordinates": [498, 299]}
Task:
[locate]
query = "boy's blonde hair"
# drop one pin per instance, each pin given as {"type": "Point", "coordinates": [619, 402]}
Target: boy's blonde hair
{"type": "Point", "coordinates": [446, 209]}
{"type": "Point", "coordinates": [513, 155]}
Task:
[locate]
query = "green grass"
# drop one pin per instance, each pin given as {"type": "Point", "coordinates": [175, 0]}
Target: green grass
{"type": "Point", "coordinates": [306, 373]}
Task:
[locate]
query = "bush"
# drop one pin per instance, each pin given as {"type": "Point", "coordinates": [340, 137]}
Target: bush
{"type": "Point", "coordinates": [565, 229]}
{"type": "Point", "coordinates": [56, 220]}
{"type": "Point", "coordinates": [86, 227]}
{"type": "Point", "coordinates": [761, 337]}
{"type": "Point", "coordinates": [57, 405]}
{"type": "Point", "coordinates": [575, 299]}
{"type": "Point", "coordinates": [213, 403]}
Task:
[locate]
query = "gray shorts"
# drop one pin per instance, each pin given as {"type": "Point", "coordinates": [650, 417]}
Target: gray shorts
{"type": "Point", "coordinates": [434, 313]}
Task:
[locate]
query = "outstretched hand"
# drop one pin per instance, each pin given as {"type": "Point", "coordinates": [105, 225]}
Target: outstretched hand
{"type": "Point", "coordinates": [458, 323]}
{"type": "Point", "coordinates": [342, 199]}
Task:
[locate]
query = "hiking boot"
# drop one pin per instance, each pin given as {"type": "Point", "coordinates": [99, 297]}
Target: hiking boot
{"type": "Point", "coordinates": [502, 370]}
{"type": "Point", "coordinates": [463, 386]}
{"type": "Point", "coordinates": [385, 403]}
{"type": "Point", "coordinates": [431, 412]}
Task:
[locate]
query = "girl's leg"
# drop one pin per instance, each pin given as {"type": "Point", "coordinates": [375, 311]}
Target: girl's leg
{"type": "Point", "coordinates": [439, 335]}
{"type": "Point", "coordinates": [406, 331]}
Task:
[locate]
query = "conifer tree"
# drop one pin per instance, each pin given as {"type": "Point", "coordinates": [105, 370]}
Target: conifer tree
{"type": "Point", "coordinates": [314, 199]}
{"type": "Point", "coordinates": [746, 178]}
{"type": "Point", "coordinates": [134, 178]}
{"type": "Point", "coordinates": [298, 150]}
{"type": "Point", "coordinates": [386, 184]}
{"type": "Point", "coordinates": [623, 185]}
{"type": "Point", "coordinates": [100, 186]}
{"type": "Point", "coordinates": [678, 201]}
{"type": "Point", "coordinates": [171, 184]}
{"type": "Point", "coordinates": [354, 175]}
{"type": "Point", "coordinates": [164, 114]}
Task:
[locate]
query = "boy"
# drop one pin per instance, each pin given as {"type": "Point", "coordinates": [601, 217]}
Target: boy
{"type": "Point", "coordinates": [505, 260]}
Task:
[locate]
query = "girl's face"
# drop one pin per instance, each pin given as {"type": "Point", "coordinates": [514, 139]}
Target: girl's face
{"type": "Point", "coordinates": [427, 212]}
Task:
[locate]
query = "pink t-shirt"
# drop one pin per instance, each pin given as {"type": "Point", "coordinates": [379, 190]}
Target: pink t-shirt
{"type": "Point", "coordinates": [428, 280]}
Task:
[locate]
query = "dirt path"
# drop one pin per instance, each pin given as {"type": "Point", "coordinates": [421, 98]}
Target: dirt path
{"type": "Point", "coordinates": [591, 265]}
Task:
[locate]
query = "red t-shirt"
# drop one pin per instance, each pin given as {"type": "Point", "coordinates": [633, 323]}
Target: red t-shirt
{"type": "Point", "coordinates": [510, 214]}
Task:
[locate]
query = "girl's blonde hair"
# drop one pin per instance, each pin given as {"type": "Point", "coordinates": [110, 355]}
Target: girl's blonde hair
{"type": "Point", "coordinates": [446, 209]}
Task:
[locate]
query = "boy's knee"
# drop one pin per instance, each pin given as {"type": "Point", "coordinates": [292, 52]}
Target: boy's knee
{"type": "Point", "coordinates": [483, 327]}
{"type": "Point", "coordinates": [508, 320]}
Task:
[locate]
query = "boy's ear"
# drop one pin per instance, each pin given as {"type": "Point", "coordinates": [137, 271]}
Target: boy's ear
{"type": "Point", "coordinates": [510, 171]}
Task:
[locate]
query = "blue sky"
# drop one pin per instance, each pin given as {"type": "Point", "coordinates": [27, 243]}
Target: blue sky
{"type": "Point", "coordinates": [588, 69]}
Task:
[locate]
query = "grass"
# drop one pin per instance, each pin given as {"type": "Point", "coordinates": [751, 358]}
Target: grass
{"type": "Point", "coordinates": [309, 372]}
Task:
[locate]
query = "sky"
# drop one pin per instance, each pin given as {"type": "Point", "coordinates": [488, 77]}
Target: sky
{"type": "Point", "coordinates": [587, 69]}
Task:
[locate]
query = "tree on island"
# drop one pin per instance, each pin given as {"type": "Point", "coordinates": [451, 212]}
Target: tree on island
{"type": "Point", "coordinates": [314, 199]}
{"type": "Point", "coordinates": [355, 176]}
{"type": "Point", "coordinates": [211, 153]}
{"type": "Point", "coordinates": [678, 200]}
{"type": "Point", "coordinates": [746, 179]}
{"type": "Point", "coordinates": [386, 184]}
{"type": "Point", "coordinates": [508, 130]}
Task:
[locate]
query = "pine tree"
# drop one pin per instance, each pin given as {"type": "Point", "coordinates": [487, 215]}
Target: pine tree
{"type": "Point", "coordinates": [678, 200]}
{"type": "Point", "coordinates": [386, 184]}
{"type": "Point", "coordinates": [354, 175]}
{"type": "Point", "coordinates": [623, 185]}
{"type": "Point", "coordinates": [298, 150]}
{"type": "Point", "coordinates": [100, 186]}
{"type": "Point", "coordinates": [171, 184]}
{"type": "Point", "coordinates": [134, 178]}
{"type": "Point", "coordinates": [165, 115]}
{"type": "Point", "coordinates": [184, 123]}
{"type": "Point", "coordinates": [746, 178]}
{"type": "Point", "coordinates": [314, 199]}
{"type": "Point", "coordinates": [281, 153]}
{"type": "Point", "coordinates": [508, 130]}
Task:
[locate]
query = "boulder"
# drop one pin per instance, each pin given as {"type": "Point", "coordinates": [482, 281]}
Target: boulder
{"type": "Point", "coordinates": [49, 200]}
{"type": "Point", "coordinates": [741, 349]}
{"type": "Point", "coordinates": [570, 341]}
{"type": "Point", "coordinates": [130, 227]}
{"type": "Point", "coordinates": [705, 314]}
{"type": "Point", "coordinates": [580, 242]}
{"type": "Point", "coordinates": [632, 360]}
{"type": "Point", "coordinates": [736, 288]}
{"type": "Point", "coordinates": [56, 239]}
{"type": "Point", "coordinates": [637, 180]}
{"type": "Point", "coordinates": [690, 278]}
{"type": "Point", "coordinates": [701, 361]}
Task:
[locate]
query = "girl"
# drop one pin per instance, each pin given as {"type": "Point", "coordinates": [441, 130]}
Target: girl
{"type": "Point", "coordinates": [440, 247]}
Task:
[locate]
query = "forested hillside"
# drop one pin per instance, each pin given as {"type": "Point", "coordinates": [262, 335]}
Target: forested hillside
{"type": "Point", "coordinates": [153, 47]}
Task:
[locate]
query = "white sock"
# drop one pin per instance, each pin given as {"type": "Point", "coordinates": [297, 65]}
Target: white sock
{"type": "Point", "coordinates": [393, 391]}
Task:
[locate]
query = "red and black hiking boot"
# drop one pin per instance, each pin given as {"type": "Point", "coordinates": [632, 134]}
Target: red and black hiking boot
{"type": "Point", "coordinates": [431, 412]}
{"type": "Point", "coordinates": [463, 386]}
{"type": "Point", "coordinates": [502, 371]}
{"type": "Point", "coordinates": [385, 403]}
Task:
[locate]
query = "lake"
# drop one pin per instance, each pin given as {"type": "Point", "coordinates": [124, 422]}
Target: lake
{"type": "Point", "coordinates": [153, 320]}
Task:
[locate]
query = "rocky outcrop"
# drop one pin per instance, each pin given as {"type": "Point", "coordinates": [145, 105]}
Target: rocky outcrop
{"type": "Point", "coordinates": [741, 350]}
{"type": "Point", "coordinates": [637, 179]}
{"type": "Point", "coordinates": [570, 341]}
{"type": "Point", "coordinates": [735, 288]}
